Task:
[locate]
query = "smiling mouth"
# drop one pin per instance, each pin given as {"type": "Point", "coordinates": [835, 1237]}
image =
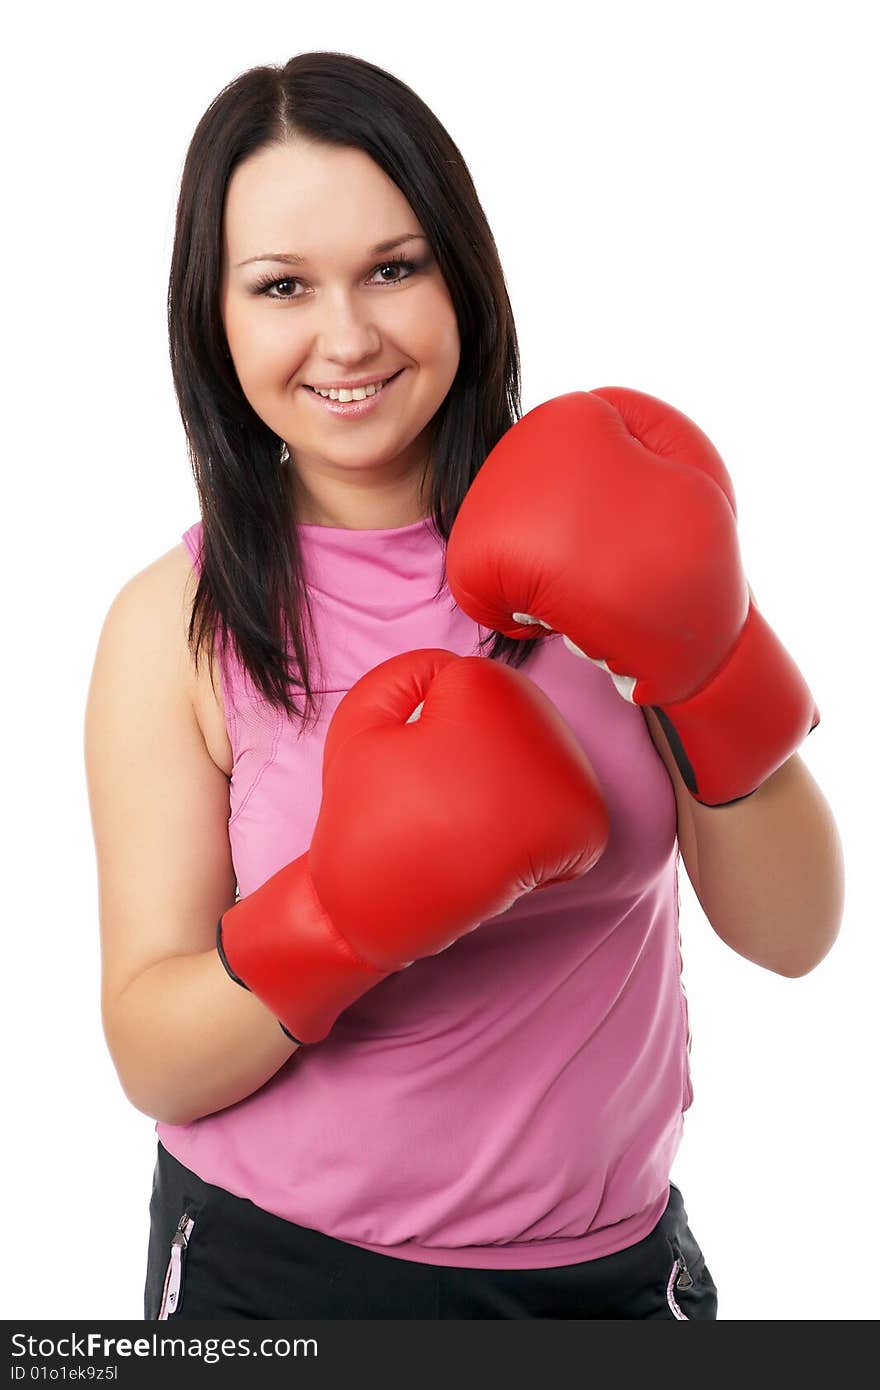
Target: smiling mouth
{"type": "Point", "coordinates": [387, 382]}
{"type": "Point", "coordinates": [359, 407]}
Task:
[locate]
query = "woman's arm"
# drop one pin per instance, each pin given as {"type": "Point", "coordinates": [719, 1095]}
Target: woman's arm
{"type": "Point", "coordinates": [768, 870]}
{"type": "Point", "coordinates": [184, 1038]}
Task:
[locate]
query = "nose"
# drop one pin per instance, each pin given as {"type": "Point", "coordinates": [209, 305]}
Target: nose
{"type": "Point", "coordinates": [348, 331]}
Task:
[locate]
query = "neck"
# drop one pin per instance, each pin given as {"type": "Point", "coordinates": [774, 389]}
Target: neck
{"type": "Point", "coordinates": [349, 509]}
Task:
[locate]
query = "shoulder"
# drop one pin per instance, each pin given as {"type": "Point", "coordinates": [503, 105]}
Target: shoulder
{"type": "Point", "coordinates": [153, 609]}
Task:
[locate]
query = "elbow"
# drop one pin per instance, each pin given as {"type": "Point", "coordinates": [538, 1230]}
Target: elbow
{"type": "Point", "coordinates": [153, 1107]}
{"type": "Point", "coordinates": [139, 1088]}
{"type": "Point", "coordinates": [143, 1093]}
{"type": "Point", "coordinates": [790, 971]}
{"type": "Point", "coordinates": [797, 965]}
{"type": "Point", "coordinates": [141, 1078]}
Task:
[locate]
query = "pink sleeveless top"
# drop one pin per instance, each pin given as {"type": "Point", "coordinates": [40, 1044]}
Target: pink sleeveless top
{"type": "Point", "coordinates": [515, 1102]}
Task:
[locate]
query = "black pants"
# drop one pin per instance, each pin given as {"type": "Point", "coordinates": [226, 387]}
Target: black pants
{"type": "Point", "coordinates": [215, 1255]}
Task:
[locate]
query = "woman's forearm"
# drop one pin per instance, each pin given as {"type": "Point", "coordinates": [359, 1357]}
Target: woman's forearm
{"type": "Point", "coordinates": [186, 1040]}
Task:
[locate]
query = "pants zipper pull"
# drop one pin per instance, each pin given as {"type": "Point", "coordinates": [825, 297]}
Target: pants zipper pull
{"type": "Point", "coordinates": [171, 1291]}
{"type": "Point", "coordinates": [683, 1279]}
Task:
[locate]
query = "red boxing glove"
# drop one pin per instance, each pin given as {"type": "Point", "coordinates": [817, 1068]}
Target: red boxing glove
{"type": "Point", "coordinates": [610, 517]}
{"type": "Point", "coordinates": [451, 786]}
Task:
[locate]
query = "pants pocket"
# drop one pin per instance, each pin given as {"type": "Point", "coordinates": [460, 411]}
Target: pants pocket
{"type": "Point", "coordinates": [690, 1291]}
{"type": "Point", "coordinates": [177, 1212]}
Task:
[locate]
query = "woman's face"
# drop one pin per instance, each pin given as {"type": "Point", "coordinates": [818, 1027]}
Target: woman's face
{"type": "Point", "coordinates": [343, 312]}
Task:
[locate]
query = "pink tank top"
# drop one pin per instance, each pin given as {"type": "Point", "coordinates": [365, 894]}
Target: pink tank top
{"type": "Point", "coordinates": [516, 1101]}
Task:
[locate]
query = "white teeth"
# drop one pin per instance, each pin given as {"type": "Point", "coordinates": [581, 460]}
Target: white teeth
{"type": "Point", "coordinates": [358, 393]}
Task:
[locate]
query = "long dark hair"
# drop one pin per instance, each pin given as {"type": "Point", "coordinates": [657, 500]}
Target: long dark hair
{"type": "Point", "coordinates": [251, 591]}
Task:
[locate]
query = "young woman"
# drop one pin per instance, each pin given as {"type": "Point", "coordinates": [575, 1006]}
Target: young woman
{"type": "Point", "coordinates": [470, 1109]}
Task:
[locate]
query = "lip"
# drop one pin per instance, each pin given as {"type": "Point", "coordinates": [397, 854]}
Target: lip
{"type": "Point", "coordinates": [354, 410]}
{"type": "Point", "coordinates": [351, 385]}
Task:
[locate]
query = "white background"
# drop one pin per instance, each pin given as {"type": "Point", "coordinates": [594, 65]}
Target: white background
{"type": "Point", "coordinates": [682, 198]}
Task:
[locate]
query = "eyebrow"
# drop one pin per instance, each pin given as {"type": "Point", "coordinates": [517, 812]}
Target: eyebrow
{"type": "Point", "coordinates": [292, 258]}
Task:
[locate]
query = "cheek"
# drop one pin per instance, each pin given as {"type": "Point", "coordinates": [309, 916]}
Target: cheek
{"type": "Point", "coordinates": [263, 346]}
{"type": "Point", "coordinates": [270, 351]}
{"type": "Point", "coordinates": [432, 336]}
{"type": "Point", "coordinates": [450, 343]}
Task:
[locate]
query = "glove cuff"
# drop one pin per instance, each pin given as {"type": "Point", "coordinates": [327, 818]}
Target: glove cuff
{"type": "Point", "coordinates": [745, 722]}
{"type": "Point", "coordinates": [279, 943]}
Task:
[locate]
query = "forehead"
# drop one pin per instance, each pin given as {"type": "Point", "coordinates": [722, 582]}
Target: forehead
{"type": "Point", "coordinates": [310, 199]}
